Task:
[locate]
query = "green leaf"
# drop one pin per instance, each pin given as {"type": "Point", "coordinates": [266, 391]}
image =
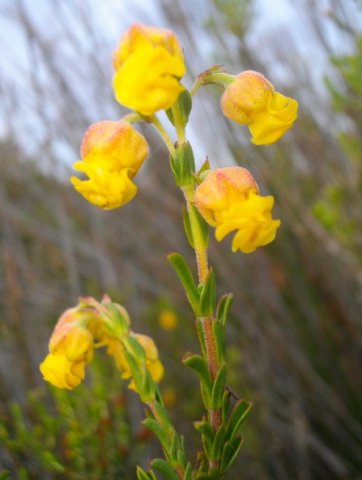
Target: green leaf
{"type": "Point", "coordinates": [165, 468]}
{"type": "Point", "coordinates": [185, 105]}
{"type": "Point", "coordinates": [207, 434]}
{"type": "Point", "coordinates": [223, 307]}
{"type": "Point", "coordinates": [218, 388]}
{"type": "Point", "coordinates": [136, 370]}
{"type": "Point", "coordinates": [208, 295]}
{"type": "Point", "coordinates": [162, 413]}
{"type": "Point", "coordinates": [188, 472]}
{"type": "Point", "coordinates": [201, 335]}
{"type": "Point", "coordinates": [200, 367]}
{"type": "Point", "coordinates": [184, 273]}
{"type": "Point", "coordinates": [142, 475]}
{"type": "Point", "coordinates": [225, 408]}
{"type": "Point", "coordinates": [218, 331]}
{"type": "Point", "coordinates": [170, 116]}
{"type": "Point", "coordinates": [158, 430]}
{"type": "Point", "coordinates": [238, 415]}
{"type": "Point", "coordinates": [187, 227]}
{"type": "Point", "coordinates": [230, 452]}
{"type": "Point", "coordinates": [202, 226]}
{"type": "Point", "coordinates": [4, 475]}
{"type": "Point", "coordinates": [183, 165]}
{"type": "Point", "coordinates": [205, 167]}
{"type": "Point", "coordinates": [174, 447]}
{"type": "Point", "coordinates": [218, 444]}
{"type": "Point", "coordinates": [134, 348]}
{"type": "Point", "coordinates": [148, 385]}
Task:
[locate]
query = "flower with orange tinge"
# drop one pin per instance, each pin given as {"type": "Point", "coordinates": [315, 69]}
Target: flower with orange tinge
{"type": "Point", "coordinates": [148, 65]}
{"type": "Point", "coordinates": [71, 348]}
{"type": "Point", "coordinates": [112, 153]}
{"type": "Point", "coordinates": [229, 200]}
{"type": "Point", "coordinates": [250, 99]}
{"type": "Point", "coordinates": [153, 364]}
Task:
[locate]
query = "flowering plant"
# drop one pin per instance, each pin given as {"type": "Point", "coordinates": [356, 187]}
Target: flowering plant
{"type": "Point", "coordinates": [149, 65]}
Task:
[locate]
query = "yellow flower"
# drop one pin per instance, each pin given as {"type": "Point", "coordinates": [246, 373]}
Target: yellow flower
{"type": "Point", "coordinates": [250, 99]}
{"type": "Point", "coordinates": [167, 319]}
{"type": "Point", "coordinates": [153, 364]}
{"type": "Point", "coordinates": [112, 153]}
{"type": "Point", "coordinates": [71, 348]}
{"type": "Point", "coordinates": [229, 200]}
{"type": "Point", "coordinates": [148, 65]}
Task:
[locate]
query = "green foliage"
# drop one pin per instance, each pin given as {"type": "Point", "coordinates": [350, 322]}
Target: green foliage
{"type": "Point", "coordinates": [80, 435]}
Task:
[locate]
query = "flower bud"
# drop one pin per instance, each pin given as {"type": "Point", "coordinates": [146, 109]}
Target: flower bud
{"type": "Point", "coordinates": [252, 100]}
{"type": "Point", "coordinates": [148, 65]}
{"type": "Point", "coordinates": [112, 153]}
{"type": "Point", "coordinates": [229, 200]}
{"type": "Point", "coordinates": [220, 188]}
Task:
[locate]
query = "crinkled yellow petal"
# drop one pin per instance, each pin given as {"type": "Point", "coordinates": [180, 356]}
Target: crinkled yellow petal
{"type": "Point", "coordinates": [252, 220]}
{"type": "Point", "coordinates": [58, 370]}
{"type": "Point", "coordinates": [269, 126]}
{"type": "Point", "coordinates": [106, 189]}
{"type": "Point", "coordinates": [148, 80]}
{"type": "Point", "coordinates": [142, 36]}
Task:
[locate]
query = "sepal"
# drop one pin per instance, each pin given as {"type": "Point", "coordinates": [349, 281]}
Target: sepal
{"type": "Point", "coordinates": [183, 165]}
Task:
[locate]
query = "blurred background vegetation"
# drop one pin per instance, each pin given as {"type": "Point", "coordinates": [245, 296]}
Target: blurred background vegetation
{"type": "Point", "coordinates": [295, 336]}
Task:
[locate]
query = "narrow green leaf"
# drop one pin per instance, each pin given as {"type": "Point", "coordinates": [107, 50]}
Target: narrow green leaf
{"type": "Point", "coordinates": [142, 475]}
{"type": "Point", "coordinates": [207, 434]}
{"type": "Point", "coordinates": [165, 468]}
{"type": "Point", "coordinates": [208, 295]}
{"type": "Point", "coordinates": [184, 273]}
{"type": "Point", "coordinates": [219, 338]}
{"type": "Point", "coordinates": [162, 413]}
{"type": "Point", "coordinates": [203, 227]}
{"type": "Point", "coordinates": [174, 447]}
{"type": "Point", "coordinates": [133, 347]}
{"type": "Point", "coordinates": [218, 388]}
{"type": "Point", "coordinates": [188, 472]}
{"type": "Point", "coordinates": [148, 385]}
{"type": "Point", "coordinates": [170, 116]}
{"type": "Point", "coordinates": [185, 105]}
{"type": "Point", "coordinates": [230, 452]}
{"type": "Point", "coordinates": [136, 371]}
{"type": "Point", "coordinates": [205, 167]}
{"type": "Point", "coordinates": [4, 475]}
{"type": "Point", "coordinates": [218, 444]}
{"type": "Point", "coordinates": [183, 165]}
{"type": "Point", "coordinates": [201, 335]}
{"type": "Point", "coordinates": [158, 430]}
{"type": "Point", "coordinates": [187, 227]}
{"type": "Point", "coordinates": [225, 408]}
{"type": "Point", "coordinates": [238, 415]}
{"type": "Point", "coordinates": [223, 307]}
{"type": "Point", "coordinates": [199, 366]}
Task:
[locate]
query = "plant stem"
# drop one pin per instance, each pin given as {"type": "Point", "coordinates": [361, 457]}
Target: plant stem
{"type": "Point", "coordinates": [162, 131]}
